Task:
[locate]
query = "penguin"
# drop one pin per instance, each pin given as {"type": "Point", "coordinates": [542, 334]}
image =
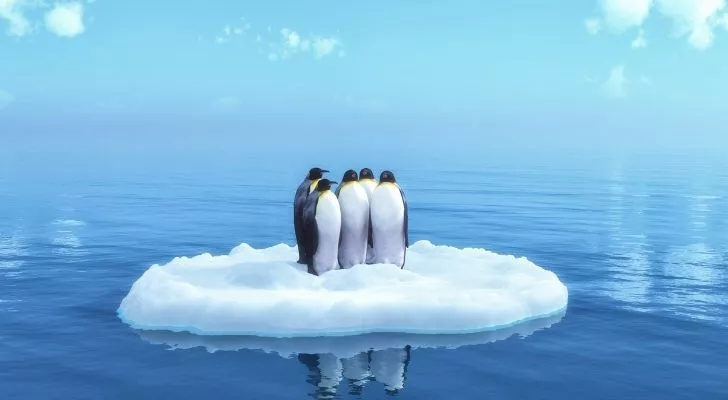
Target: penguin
{"type": "Point", "coordinates": [389, 219]}
{"type": "Point", "coordinates": [321, 228]}
{"type": "Point", "coordinates": [366, 178]}
{"type": "Point", "coordinates": [354, 205]}
{"type": "Point", "coordinates": [306, 187]}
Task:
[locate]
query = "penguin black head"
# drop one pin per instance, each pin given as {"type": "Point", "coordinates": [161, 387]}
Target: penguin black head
{"type": "Point", "coordinates": [324, 185]}
{"type": "Point", "coordinates": [387, 176]}
{"type": "Point", "coordinates": [316, 173]}
{"type": "Point", "coordinates": [350, 176]}
{"type": "Point", "coordinates": [366, 173]}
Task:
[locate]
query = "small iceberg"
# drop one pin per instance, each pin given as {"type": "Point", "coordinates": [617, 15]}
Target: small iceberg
{"type": "Point", "coordinates": [265, 293]}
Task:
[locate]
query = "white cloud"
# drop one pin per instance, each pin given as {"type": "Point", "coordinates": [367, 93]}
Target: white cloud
{"type": "Point", "coordinates": [593, 26]}
{"type": "Point", "coordinates": [323, 46]}
{"type": "Point", "coordinates": [291, 38]}
{"type": "Point", "coordinates": [284, 44]}
{"type": "Point", "coordinates": [694, 19]}
{"type": "Point", "coordinates": [639, 42]}
{"type": "Point", "coordinates": [723, 21]}
{"type": "Point", "coordinates": [620, 15]}
{"type": "Point", "coordinates": [12, 12]}
{"type": "Point", "coordinates": [65, 19]}
{"type": "Point", "coordinates": [6, 99]}
{"type": "Point", "coordinates": [616, 83]}
{"type": "Point", "coordinates": [292, 43]}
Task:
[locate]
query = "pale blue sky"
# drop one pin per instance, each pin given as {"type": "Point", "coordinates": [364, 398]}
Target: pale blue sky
{"type": "Point", "coordinates": [534, 69]}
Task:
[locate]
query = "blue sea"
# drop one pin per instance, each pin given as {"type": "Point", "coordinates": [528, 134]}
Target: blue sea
{"type": "Point", "coordinates": [641, 242]}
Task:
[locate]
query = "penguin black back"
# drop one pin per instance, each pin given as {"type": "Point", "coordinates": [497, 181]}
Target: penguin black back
{"type": "Point", "coordinates": [316, 173]}
{"type": "Point", "coordinates": [298, 204]}
{"type": "Point", "coordinates": [309, 226]}
{"type": "Point", "coordinates": [387, 176]}
{"type": "Point", "coordinates": [349, 176]}
{"type": "Point", "coordinates": [324, 185]}
{"type": "Point", "coordinates": [366, 173]}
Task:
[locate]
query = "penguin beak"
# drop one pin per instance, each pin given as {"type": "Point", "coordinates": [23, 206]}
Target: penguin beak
{"type": "Point", "coordinates": [324, 170]}
{"type": "Point", "coordinates": [334, 183]}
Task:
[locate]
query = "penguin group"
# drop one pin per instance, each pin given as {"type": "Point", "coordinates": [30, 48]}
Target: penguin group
{"type": "Point", "coordinates": [362, 222]}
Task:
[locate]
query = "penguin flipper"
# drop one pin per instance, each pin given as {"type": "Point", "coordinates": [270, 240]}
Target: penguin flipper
{"type": "Point", "coordinates": [405, 225]}
{"type": "Point", "coordinates": [370, 239]}
{"type": "Point", "coordinates": [310, 232]}
{"type": "Point", "coordinates": [311, 245]}
{"type": "Point", "coordinates": [299, 202]}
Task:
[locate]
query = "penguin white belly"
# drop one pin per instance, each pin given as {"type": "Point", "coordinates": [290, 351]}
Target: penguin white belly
{"type": "Point", "coordinates": [387, 211]}
{"type": "Point", "coordinates": [328, 221]}
{"type": "Point", "coordinates": [354, 225]}
{"type": "Point", "coordinates": [369, 185]}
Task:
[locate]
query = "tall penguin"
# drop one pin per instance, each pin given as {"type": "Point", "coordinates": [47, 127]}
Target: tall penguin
{"type": "Point", "coordinates": [306, 187]}
{"type": "Point", "coordinates": [321, 228]}
{"type": "Point", "coordinates": [389, 219]}
{"type": "Point", "coordinates": [354, 205]}
{"type": "Point", "coordinates": [366, 179]}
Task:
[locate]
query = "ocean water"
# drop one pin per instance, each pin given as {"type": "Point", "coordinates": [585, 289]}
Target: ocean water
{"type": "Point", "coordinates": [641, 243]}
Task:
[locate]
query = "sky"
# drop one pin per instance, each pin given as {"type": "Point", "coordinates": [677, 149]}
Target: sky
{"type": "Point", "coordinates": [461, 72]}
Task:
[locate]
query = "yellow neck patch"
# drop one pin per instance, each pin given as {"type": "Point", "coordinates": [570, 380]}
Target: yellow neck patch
{"type": "Point", "coordinates": [313, 185]}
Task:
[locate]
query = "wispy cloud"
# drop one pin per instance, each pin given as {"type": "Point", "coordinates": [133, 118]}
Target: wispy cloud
{"type": "Point", "coordinates": [65, 19]}
{"type": "Point", "coordinates": [230, 32]}
{"type": "Point", "coordinates": [615, 85]}
{"type": "Point", "coordinates": [6, 99]}
{"type": "Point", "coordinates": [639, 42]}
{"type": "Point", "coordinates": [292, 43]}
{"type": "Point", "coordinates": [283, 44]}
{"type": "Point", "coordinates": [620, 15]}
{"type": "Point", "coordinates": [694, 19]}
{"type": "Point", "coordinates": [12, 11]}
{"type": "Point", "coordinates": [593, 26]}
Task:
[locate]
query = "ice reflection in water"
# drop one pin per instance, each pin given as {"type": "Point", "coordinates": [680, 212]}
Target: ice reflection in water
{"type": "Point", "coordinates": [356, 360]}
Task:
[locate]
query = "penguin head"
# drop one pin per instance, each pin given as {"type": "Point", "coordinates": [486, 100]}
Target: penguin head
{"type": "Point", "coordinates": [387, 176]}
{"type": "Point", "coordinates": [316, 173]}
{"type": "Point", "coordinates": [324, 185]}
{"type": "Point", "coordinates": [366, 173]}
{"type": "Point", "coordinates": [350, 176]}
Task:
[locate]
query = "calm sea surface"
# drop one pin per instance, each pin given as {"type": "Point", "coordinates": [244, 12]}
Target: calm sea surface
{"type": "Point", "coordinates": [641, 243]}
